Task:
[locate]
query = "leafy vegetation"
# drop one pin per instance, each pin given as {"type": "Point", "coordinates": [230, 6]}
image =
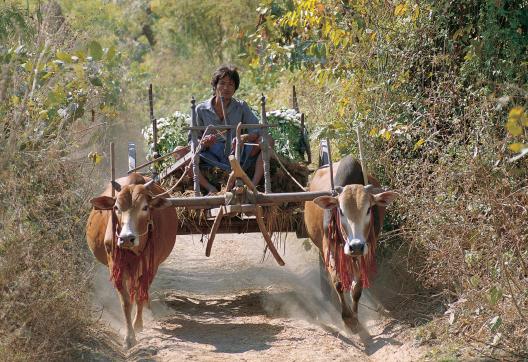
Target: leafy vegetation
{"type": "Point", "coordinates": [433, 85]}
{"type": "Point", "coordinates": [287, 133]}
{"type": "Point", "coordinates": [438, 90]}
{"type": "Point", "coordinates": [47, 85]}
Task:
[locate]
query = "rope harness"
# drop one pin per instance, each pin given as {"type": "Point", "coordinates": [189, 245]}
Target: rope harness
{"type": "Point", "coordinates": [345, 266]}
{"type": "Point", "coordinates": [139, 267]}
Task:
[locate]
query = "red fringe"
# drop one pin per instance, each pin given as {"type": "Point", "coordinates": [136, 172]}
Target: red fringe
{"type": "Point", "coordinates": [345, 264]}
{"type": "Point", "coordinates": [140, 270]}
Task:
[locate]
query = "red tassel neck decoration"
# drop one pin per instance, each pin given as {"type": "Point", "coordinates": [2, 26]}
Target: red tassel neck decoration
{"type": "Point", "coordinates": [346, 266]}
{"type": "Point", "coordinates": [139, 268]}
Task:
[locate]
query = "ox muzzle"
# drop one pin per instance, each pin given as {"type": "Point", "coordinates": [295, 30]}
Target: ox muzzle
{"type": "Point", "coordinates": [126, 240]}
{"type": "Point", "coordinates": [355, 247]}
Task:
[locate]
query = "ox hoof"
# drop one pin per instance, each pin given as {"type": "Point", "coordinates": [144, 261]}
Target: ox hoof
{"type": "Point", "coordinates": [138, 327]}
{"type": "Point", "coordinates": [352, 323]}
{"type": "Point", "coordinates": [130, 341]}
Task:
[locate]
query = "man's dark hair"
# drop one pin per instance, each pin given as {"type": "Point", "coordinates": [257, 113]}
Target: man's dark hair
{"type": "Point", "coordinates": [222, 71]}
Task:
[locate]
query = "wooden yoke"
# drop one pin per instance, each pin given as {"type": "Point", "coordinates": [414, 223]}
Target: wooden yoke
{"type": "Point", "coordinates": [239, 173]}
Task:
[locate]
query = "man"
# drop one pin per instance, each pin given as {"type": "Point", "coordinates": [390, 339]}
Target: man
{"type": "Point", "coordinates": [222, 109]}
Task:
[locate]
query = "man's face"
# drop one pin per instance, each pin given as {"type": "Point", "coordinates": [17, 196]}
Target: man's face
{"type": "Point", "coordinates": [225, 88]}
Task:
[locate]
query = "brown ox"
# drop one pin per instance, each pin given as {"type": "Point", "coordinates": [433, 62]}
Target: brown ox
{"type": "Point", "coordinates": [358, 216]}
{"type": "Point", "coordinates": [134, 245]}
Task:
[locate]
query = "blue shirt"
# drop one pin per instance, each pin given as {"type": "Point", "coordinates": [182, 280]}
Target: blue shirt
{"type": "Point", "coordinates": [237, 111]}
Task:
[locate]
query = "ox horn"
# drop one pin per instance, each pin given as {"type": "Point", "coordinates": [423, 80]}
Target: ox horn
{"type": "Point", "coordinates": [149, 184]}
{"type": "Point", "coordinates": [116, 186]}
{"type": "Point", "coordinates": [372, 189]}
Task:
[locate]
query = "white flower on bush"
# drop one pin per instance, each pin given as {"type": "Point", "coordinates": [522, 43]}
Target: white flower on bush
{"type": "Point", "coordinates": [172, 133]}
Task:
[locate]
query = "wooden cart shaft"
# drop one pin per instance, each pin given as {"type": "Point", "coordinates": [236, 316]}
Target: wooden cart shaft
{"type": "Point", "coordinates": [205, 202]}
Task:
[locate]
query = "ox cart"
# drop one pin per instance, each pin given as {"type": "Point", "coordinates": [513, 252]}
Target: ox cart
{"type": "Point", "coordinates": [241, 208]}
{"type": "Point", "coordinates": [355, 217]}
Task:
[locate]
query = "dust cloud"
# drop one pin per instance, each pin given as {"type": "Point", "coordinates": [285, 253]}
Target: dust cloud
{"type": "Point", "coordinates": [236, 267]}
{"type": "Point", "coordinates": [106, 300]}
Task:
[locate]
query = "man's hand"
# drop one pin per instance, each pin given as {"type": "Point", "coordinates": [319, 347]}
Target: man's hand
{"type": "Point", "coordinates": [208, 140]}
{"type": "Point", "coordinates": [250, 137]}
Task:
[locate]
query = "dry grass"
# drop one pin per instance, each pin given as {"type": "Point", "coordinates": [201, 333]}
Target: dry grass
{"type": "Point", "coordinates": [459, 227]}
{"type": "Point", "coordinates": [45, 266]}
{"type": "Point", "coordinates": [463, 220]}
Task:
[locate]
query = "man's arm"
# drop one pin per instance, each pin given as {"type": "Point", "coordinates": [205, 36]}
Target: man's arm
{"type": "Point", "coordinates": [206, 141]}
{"type": "Point", "coordinates": [248, 117]}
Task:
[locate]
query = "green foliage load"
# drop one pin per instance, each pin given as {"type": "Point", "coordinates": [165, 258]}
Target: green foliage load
{"type": "Point", "coordinates": [172, 133]}
{"type": "Point", "coordinates": [286, 133]}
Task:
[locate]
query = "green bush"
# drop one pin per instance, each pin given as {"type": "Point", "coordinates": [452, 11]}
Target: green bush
{"type": "Point", "coordinates": [431, 83]}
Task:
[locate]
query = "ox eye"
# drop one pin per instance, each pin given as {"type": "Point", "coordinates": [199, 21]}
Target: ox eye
{"type": "Point", "coordinates": [145, 208]}
{"type": "Point", "coordinates": [368, 210]}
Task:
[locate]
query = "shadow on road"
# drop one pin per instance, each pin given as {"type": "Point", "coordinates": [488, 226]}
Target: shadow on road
{"type": "Point", "coordinates": [225, 337]}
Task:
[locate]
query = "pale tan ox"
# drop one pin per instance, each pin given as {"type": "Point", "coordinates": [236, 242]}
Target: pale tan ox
{"type": "Point", "coordinates": [143, 237]}
{"type": "Point", "coordinates": [356, 203]}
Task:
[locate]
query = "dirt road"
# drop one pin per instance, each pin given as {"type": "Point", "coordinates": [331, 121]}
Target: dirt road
{"type": "Point", "coordinates": [232, 306]}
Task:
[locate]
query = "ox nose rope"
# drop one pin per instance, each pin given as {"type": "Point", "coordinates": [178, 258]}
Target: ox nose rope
{"type": "Point", "coordinates": [150, 225]}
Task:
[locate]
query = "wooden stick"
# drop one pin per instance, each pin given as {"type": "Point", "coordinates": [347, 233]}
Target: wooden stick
{"type": "Point", "coordinates": [265, 234]}
{"type": "Point", "coordinates": [214, 230]}
{"type": "Point", "coordinates": [194, 150]}
{"type": "Point", "coordinates": [238, 141]}
{"type": "Point", "coordinates": [154, 123]}
{"type": "Point", "coordinates": [331, 164]}
{"type": "Point", "coordinates": [240, 173]}
{"type": "Point", "coordinates": [265, 147]}
{"type": "Point", "coordinates": [161, 158]}
{"type": "Point", "coordinates": [112, 166]}
{"type": "Point", "coordinates": [306, 141]}
{"type": "Point", "coordinates": [361, 159]}
{"type": "Point", "coordinates": [295, 105]}
{"type": "Point", "coordinates": [219, 200]}
{"type": "Point", "coordinates": [228, 127]}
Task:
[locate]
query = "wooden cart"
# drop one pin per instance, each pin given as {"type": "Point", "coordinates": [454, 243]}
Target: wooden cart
{"type": "Point", "coordinates": [241, 208]}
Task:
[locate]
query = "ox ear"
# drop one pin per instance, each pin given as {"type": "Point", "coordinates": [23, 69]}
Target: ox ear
{"type": "Point", "coordinates": [385, 198]}
{"type": "Point", "coordinates": [103, 202]}
{"type": "Point", "coordinates": [159, 203]}
{"type": "Point", "coordinates": [326, 202]}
